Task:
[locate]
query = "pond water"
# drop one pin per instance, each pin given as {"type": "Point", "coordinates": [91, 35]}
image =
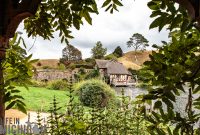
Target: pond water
{"type": "Point", "coordinates": [130, 91]}
{"type": "Point", "coordinates": [179, 105]}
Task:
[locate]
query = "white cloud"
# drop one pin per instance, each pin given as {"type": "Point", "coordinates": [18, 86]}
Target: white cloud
{"type": "Point", "coordinates": [111, 29]}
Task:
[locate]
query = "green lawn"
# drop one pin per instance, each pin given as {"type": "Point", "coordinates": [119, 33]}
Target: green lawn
{"type": "Point", "coordinates": [40, 98]}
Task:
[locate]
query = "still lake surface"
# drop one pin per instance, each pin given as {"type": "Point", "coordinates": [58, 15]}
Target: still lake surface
{"type": "Point", "coordinates": [179, 105]}
{"type": "Point", "coordinates": [130, 91]}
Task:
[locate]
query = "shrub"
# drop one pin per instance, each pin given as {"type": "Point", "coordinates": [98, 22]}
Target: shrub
{"type": "Point", "coordinates": [133, 71]}
{"type": "Point", "coordinates": [72, 66]}
{"type": "Point", "coordinates": [84, 66]}
{"type": "Point", "coordinates": [61, 66]}
{"type": "Point", "coordinates": [90, 60]}
{"type": "Point", "coordinates": [35, 83]}
{"type": "Point", "coordinates": [92, 74]}
{"type": "Point", "coordinates": [81, 71]}
{"type": "Point", "coordinates": [39, 64]}
{"type": "Point", "coordinates": [127, 119]}
{"type": "Point", "coordinates": [95, 93]}
{"type": "Point", "coordinates": [58, 85]}
{"type": "Point", "coordinates": [111, 57]}
{"type": "Point", "coordinates": [46, 67]}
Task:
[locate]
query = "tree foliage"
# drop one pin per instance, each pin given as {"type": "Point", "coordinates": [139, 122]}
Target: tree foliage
{"type": "Point", "coordinates": [173, 71]}
{"type": "Point", "coordinates": [78, 120]}
{"type": "Point", "coordinates": [62, 15]}
{"type": "Point", "coordinates": [118, 52]}
{"type": "Point", "coordinates": [17, 69]}
{"type": "Point", "coordinates": [174, 74]}
{"type": "Point", "coordinates": [95, 93]}
{"type": "Point", "coordinates": [70, 54]}
{"type": "Point", "coordinates": [51, 16]}
{"type": "Point", "coordinates": [138, 42]}
{"type": "Point", "coordinates": [98, 51]}
{"type": "Point", "coordinates": [170, 15]}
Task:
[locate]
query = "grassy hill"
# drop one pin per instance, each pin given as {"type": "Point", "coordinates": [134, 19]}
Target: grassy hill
{"type": "Point", "coordinates": [40, 99]}
{"type": "Point", "coordinates": [134, 59]}
{"type": "Point", "coordinates": [51, 63]}
{"type": "Point", "coordinates": [130, 59]}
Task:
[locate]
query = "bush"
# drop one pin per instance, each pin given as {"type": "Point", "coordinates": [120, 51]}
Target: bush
{"type": "Point", "coordinates": [90, 60]}
{"type": "Point", "coordinates": [61, 66]}
{"type": "Point", "coordinates": [71, 66]}
{"type": "Point", "coordinates": [46, 67]}
{"type": "Point", "coordinates": [35, 83]}
{"type": "Point", "coordinates": [81, 71]}
{"type": "Point", "coordinates": [127, 119]}
{"type": "Point", "coordinates": [111, 57]}
{"type": "Point", "coordinates": [133, 71]}
{"type": "Point", "coordinates": [92, 74]}
{"type": "Point", "coordinates": [95, 93]}
{"type": "Point", "coordinates": [84, 66]}
{"type": "Point", "coordinates": [39, 64]}
{"type": "Point", "coordinates": [58, 85]}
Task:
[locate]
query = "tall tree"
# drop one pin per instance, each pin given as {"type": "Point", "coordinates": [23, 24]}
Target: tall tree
{"type": "Point", "coordinates": [118, 52]}
{"type": "Point", "coordinates": [98, 51]}
{"type": "Point", "coordinates": [71, 53]}
{"type": "Point", "coordinates": [138, 42]}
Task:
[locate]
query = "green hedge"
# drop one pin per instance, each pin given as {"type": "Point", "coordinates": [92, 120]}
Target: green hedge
{"type": "Point", "coordinates": [58, 85]}
{"type": "Point", "coordinates": [95, 93]}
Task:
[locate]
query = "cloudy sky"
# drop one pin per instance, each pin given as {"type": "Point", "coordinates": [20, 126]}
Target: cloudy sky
{"type": "Point", "coordinates": [111, 29]}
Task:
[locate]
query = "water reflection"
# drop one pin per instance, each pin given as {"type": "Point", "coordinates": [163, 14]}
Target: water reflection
{"type": "Point", "coordinates": [179, 105]}
{"type": "Point", "coordinates": [130, 91]}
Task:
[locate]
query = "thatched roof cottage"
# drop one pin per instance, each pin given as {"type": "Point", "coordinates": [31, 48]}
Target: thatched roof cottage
{"type": "Point", "coordinates": [115, 72]}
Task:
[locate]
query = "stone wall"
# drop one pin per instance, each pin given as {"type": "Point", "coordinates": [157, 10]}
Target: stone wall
{"type": "Point", "coordinates": [50, 74]}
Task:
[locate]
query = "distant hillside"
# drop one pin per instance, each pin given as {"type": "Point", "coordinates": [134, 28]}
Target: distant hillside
{"type": "Point", "coordinates": [51, 63]}
{"type": "Point", "coordinates": [130, 61]}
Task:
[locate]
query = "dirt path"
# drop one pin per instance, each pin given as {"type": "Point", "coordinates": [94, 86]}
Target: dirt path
{"type": "Point", "coordinates": [13, 114]}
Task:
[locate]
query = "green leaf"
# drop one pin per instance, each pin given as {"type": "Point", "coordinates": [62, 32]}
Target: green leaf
{"type": "Point", "coordinates": [185, 25]}
{"type": "Point", "coordinates": [170, 96]}
{"type": "Point", "coordinates": [76, 23]}
{"type": "Point", "coordinates": [106, 3]}
{"type": "Point", "coordinates": [34, 61]}
{"type": "Point", "coordinates": [151, 120]}
{"type": "Point", "coordinates": [156, 116]}
{"type": "Point", "coordinates": [21, 108]}
{"type": "Point", "coordinates": [108, 7]}
{"type": "Point", "coordinates": [157, 105]}
{"type": "Point", "coordinates": [153, 5]}
{"type": "Point", "coordinates": [160, 131]}
{"type": "Point", "coordinates": [9, 106]}
{"type": "Point", "coordinates": [87, 17]}
{"type": "Point", "coordinates": [15, 91]}
{"type": "Point", "coordinates": [117, 2]}
{"type": "Point", "coordinates": [155, 13]}
{"type": "Point", "coordinates": [167, 102]}
{"type": "Point", "coordinates": [175, 22]}
{"type": "Point", "coordinates": [169, 131]}
{"type": "Point", "coordinates": [196, 90]}
{"type": "Point", "coordinates": [156, 23]}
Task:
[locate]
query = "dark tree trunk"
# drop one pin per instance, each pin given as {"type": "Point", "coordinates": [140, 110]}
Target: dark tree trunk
{"type": "Point", "coordinates": [2, 94]}
{"type": "Point", "coordinates": [3, 41]}
{"type": "Point", "coordinates": [12, 12]}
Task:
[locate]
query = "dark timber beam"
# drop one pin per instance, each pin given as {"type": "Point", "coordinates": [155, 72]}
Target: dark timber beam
{"type": "Point", "coordinates": [12, 12]}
